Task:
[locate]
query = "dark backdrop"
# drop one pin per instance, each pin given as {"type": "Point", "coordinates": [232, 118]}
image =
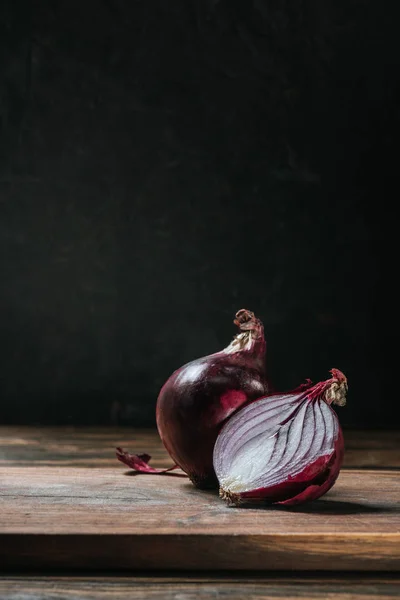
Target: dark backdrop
{"type": "Point", "coordinates": [163, 164]}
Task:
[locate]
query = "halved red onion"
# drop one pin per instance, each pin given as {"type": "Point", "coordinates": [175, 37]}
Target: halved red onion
{"type": "Point", "coordinates": [285, 448]}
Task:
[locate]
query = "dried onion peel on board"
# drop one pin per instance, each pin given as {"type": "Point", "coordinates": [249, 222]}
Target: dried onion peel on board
{"type": "Point", "coordinates": [284, 448]}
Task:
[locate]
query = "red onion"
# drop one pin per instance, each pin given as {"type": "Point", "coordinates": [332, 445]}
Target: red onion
{"type": "Point", "coordinates": [284, 448]}
{"type": "Point", "coordinates": [199, 397]}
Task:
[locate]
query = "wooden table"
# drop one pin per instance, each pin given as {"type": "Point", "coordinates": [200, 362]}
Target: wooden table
{"type": "Point", "coordinates": [67, 507]}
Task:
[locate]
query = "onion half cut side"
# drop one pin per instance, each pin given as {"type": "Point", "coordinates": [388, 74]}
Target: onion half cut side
{"type": "Point", "coordinates": [285, 448]}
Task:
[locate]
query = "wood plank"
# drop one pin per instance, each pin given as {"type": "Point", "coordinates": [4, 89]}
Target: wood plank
{"type": "Point", "coordinates": [95, 447]}
{"type": "Point", "coordinates": [199, 588]}
{"type": "Point", "coordinates": [62, 517]}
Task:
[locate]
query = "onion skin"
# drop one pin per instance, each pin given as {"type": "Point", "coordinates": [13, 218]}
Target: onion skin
{"type": "Point", "coordinates": [199, 397]}
{"type": "Point", "coordinates": [314, 480]}
{"type": "Point", "coordinates": [315, 490]}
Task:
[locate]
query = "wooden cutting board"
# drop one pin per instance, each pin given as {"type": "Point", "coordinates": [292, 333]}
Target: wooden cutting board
{"type": "Point", "coordinates": [230, 586]}
{"type": "Point", "coordinates": [59, 517]}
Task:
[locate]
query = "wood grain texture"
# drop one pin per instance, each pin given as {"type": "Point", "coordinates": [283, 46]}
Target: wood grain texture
{"type": "Point", "coordinates": [199, 588]}
{"type": "Point", "coordinates": [77, 518]}
{"type": "Point", "coordinates": [94, 447]}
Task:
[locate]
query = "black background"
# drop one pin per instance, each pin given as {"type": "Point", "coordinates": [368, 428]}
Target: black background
{"type": "Point", "coordinates": [163, 164]}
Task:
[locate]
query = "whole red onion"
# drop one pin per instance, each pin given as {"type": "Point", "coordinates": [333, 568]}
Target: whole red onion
{"type": "Point", "coordinates": [199, 397]}
{"type": "Point", "coordinates": [284, 448]}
